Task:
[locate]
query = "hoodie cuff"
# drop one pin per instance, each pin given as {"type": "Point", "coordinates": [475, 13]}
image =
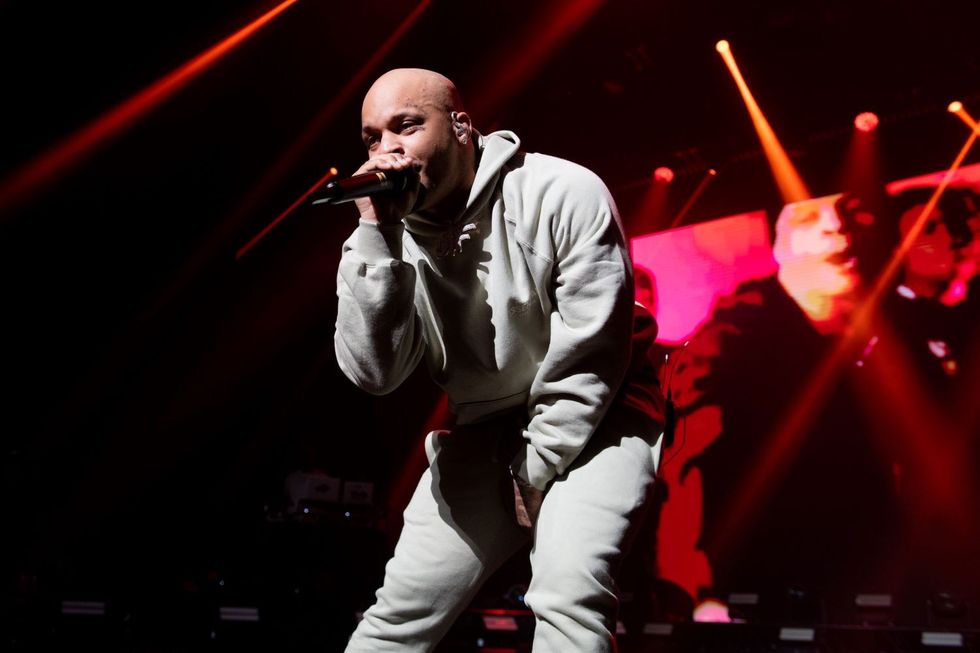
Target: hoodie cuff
{"type": "Point", "coordinates": [529, 466]}
{"type": "Point", "coordinates": [378, 243]}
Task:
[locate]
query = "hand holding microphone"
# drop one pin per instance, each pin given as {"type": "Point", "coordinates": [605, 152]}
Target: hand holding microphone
{"type": "Point", "coordinates": [385, 188]}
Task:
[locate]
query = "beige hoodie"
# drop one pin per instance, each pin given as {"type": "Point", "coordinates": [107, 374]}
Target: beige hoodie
{"type": "Point", "coordinates": [525, 300]}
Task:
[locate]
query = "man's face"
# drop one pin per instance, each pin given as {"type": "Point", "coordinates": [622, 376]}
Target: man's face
{"type": "Point", "coordinates": [813, 248]}
{"type": "Point", "coordinates": [401, 117]}
{"type": "Point", "coordinates": [931, 255]}
{"type": "Point", "coordinates": [936, 264]}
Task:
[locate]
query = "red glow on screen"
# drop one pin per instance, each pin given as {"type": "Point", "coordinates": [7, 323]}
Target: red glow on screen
{"type": "Point", "coordinates": [866, 122]}
{"type": "Point", "coordinates": [692, 267]}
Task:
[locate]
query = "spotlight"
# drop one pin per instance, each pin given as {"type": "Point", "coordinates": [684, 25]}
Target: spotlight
{"type": "Point", "coordinates": [722, 46]}
{"type": "Point", "coordinates": [866, 122]}
{"type": "Point", "coordinates": [664, 174]}
{"type": "Point", "coordinates": [955, 107]}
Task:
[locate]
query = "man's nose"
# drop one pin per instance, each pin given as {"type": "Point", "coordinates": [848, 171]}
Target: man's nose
{"type": "Point", "coordinates": [391, 144]}
{"type": "Point", "coordinates": [830, 221]}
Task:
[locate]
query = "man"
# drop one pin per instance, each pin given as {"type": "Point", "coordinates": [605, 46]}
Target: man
{"type": "Point", "coordinates": [735, 381]}
{"type": "Point", "coordinates": [944, 258]}
{"type": "Point", "coordinates": [509, 275]}
{"type": "Point", "coordinates": [817, 261]}
{"type": "Point", "coordinates": [925, 370]}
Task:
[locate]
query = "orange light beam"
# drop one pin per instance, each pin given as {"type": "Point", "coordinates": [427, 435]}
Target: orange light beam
{"type": "Point", "coordinates": [908, 426]}
{"type": "Point", "coordinates": [788, 180]}
{"type": "Point", "coordinates": [703, 184]}
{"type": "Point", "coordinates": [781, 448]}
{"type": "Point", "coordinates": [861, 169]}
{"type": "Point", "coordinates": [787, 436]}
{"type": "Point", "coordinates": [121, 352]}
{"type": "Point", "coordinates": [866, 310]}
{"type": "Point", "coordinates": [220, 236]}
{"type": "Point", "coordinates": [242, 251]}
{"type": "Point", "coordinates": [520, 58]}
{"type": "Point", "coordinates": [72, 150]}
{"type": "Point", "coordinates": [958, 110]}
{"type": "Point", "coordinates": [903, 404]}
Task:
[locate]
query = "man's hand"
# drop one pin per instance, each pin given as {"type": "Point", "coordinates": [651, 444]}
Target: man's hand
{"type": "Point", "coordinates": [388, 209]}
{"type": "Point", "coordinates": [527, 502]}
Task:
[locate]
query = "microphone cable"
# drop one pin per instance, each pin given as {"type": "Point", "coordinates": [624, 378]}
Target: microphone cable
{"type": "Point", "coordinates": [670, 409]}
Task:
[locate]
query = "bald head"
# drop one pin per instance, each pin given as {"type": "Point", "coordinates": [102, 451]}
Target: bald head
{"type": "Point", "coordinates": [416, 86]}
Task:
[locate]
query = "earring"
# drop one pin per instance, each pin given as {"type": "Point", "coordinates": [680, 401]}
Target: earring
{"type": "Point", "coordinates": [459, 127]}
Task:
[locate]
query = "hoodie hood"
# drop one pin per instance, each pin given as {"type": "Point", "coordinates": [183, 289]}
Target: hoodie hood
{"type": "Point", "coordinates": [496, 150]}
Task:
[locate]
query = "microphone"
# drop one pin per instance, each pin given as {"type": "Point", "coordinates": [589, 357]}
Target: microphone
{"type": "Point", "coordinates": [369, 183]}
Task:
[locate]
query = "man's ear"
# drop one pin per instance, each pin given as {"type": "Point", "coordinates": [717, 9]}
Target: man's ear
{"type": "Point", "coordinates": [462, 127]}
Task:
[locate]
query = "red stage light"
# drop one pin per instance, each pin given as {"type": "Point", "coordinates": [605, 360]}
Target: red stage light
{"type": "Point", "coordinates": [866, 122]}
{"type": "Point", "coordinates": [663, 174]}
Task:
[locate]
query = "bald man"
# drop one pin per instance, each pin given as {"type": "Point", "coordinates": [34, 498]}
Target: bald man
{"type": "Point", "coordinates": [508, 273]}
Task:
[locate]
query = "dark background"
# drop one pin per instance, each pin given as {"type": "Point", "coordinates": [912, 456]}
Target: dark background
{"type": "Point", "coordinates": [157, 390]}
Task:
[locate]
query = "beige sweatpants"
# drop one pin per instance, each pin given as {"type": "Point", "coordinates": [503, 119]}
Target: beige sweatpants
{"type": "Point", "coordinates": [458, 530]}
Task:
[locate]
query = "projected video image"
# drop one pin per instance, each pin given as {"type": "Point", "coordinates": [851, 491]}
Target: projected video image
{"type": "Point", "coordinates": [821, 361]}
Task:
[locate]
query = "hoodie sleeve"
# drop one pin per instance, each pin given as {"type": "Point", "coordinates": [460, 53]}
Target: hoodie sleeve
{"type": "Point", "coordinates": [591, 323]}
{"type": "Point", "coordinates": [378, 339]}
